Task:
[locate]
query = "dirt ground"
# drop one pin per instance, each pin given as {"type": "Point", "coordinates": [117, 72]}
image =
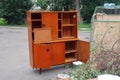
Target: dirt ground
{"type": "Point", "coordinates": [14, 56]}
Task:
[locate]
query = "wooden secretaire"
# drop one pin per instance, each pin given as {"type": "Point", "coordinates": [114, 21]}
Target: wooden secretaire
{"type": "Point", "coordinates": [53, 38]}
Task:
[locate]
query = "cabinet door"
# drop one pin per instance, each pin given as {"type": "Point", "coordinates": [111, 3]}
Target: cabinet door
{"type": "Point", "coordinates": [58, 53]}
{"type": "Point", "coordinates": [46, 20]}
{"type": "Point", "coordinates": [50, 20]}
{"type": "Point", "coordinates": [83, 50]}
{"type": "Point", "coordinates": [42, 55]}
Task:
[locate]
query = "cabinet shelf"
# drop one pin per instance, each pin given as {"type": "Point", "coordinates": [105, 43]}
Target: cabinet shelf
{"type": "Point", "coordinates": [59, 30]}
{"type": "Point", "coordinates": [68, 37]}
{"type": "Point", "coordinates": [70, 51]}
{"type": "Point", "coordinates": [59, 19]}
{"type": "Point", "coordinates": [70, 59]}
{"type": "Point", "coordinates": [68, 25]}
{"type": "Point", "coordinates": [36, 19]}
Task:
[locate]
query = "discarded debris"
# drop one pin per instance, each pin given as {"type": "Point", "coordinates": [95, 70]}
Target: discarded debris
{"type": "Point", "coordinates": [63, 77]}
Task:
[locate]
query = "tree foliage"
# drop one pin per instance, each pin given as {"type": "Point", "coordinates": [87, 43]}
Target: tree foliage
{"type": "Point", "coordinates": [64, 5]}
{"type": "Point", "coordinates": [14, 11]}
{"type": "Point", "coordinates": [43, 3]}
{"type": "Point", "coordinates": [86, 12]}
{"type": "Point", "coordinates": [57, 5]}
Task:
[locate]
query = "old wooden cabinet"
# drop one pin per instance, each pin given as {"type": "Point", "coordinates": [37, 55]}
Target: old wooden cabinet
{"type": "Point", "coordinates": [53, 38]}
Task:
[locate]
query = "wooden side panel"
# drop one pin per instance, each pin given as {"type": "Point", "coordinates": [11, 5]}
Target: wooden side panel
{"type": "Point", "coordinates": [30, 37]}
{"type": "Point", "coordinates": [58, 53]}
{"type": "Point", "coordinates": [83, 51]}
{"type": "Point", "coordinates": [42, 55]}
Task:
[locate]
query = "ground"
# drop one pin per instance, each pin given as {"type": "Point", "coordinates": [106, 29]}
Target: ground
{"type": "Point", "coordinates": [14, 56]}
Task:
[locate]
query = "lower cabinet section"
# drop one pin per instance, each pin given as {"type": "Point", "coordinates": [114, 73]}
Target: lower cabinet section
{"type": "Point", "coordinates": [70, 51]}
{"type": "Point", "coordinates": [46, 55]}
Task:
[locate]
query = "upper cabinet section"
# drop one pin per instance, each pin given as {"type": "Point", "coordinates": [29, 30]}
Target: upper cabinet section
{"type": "Point", "coordinates": [62, 24]}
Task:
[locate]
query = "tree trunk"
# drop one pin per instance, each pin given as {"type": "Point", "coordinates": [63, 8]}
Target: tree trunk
{"type": "Point", "coordinates": [78, 8]}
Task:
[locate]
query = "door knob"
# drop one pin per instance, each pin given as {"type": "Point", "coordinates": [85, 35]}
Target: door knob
{"type": "Point", "coordinates": [47, 50]}
{"type": "Point", "coordinates": [43, 25]}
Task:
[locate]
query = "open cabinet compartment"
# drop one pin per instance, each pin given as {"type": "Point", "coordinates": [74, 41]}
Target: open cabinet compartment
{"type": "Point", "coordinates": [69, 18]}
{"type": "Point", "coordinates": [36, 24]}
{"type": "Point", "coordinates": [69, 25]}
{"type": "Point", "coordinates": [36, 20]}
{"type": "Point", "coordinates": [59, 25]}
{"type": "Point", "coordinates": [36, 16]}
{"type": "Point", "coordinates": [68, 32]}
{"type": "Point", "coordinates": [70, 51]}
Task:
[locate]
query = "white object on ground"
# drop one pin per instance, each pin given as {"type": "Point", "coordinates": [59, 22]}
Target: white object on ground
{"type": "Point", "coordinates": [63, 76]}
{"type": "Point", "coordinates": [108, 77]}
{"type": "Point", "coordinates": [77, 63]}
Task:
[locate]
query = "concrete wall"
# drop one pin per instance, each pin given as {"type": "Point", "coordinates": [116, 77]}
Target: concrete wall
{"type": "Point", "coordinates": [107, 26]}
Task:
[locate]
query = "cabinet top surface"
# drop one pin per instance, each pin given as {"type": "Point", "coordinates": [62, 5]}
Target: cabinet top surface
{"type": "Point", "coordinates": [41, 11]}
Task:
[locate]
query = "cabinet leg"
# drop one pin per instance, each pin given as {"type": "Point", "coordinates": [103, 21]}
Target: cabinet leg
{"type": "Point", "coordinates": [40, 70]}
{"type": "Point", "coordinates": [71, 64]}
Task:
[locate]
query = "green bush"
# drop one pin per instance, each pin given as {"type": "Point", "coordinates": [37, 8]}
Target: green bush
{"type": "Point", "coordinates": [2, 21]}
{"type": "Point", "coordinates": [85, 71]}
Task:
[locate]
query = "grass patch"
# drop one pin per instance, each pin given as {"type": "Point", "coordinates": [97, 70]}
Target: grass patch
{"type": "Point", "coordinates": [84, 27]}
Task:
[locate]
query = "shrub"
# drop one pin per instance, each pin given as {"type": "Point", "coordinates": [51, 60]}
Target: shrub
{"type": "Point", "coordinates": [108, 62]}
{"type": "Point", "coordinates": [14, 11]}
{"type": "Point", "coordinates": [85, 71]}
{"type": "Point", "coordinates": [2, 21]}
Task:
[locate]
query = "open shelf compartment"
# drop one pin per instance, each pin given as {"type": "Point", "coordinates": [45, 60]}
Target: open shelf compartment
{"type": "Point", "coordinates": [36, 24]}
{"type": "Point", "coordinates": [36, 16]}
{"type": "Point", "coordinates": [68, 32]}
{"type": "Point", "coordinates": [70, 57]}
{"type": "Point", "coordinates": [69, 18]}
{"type": "Point", "coordinates": [70, 51]}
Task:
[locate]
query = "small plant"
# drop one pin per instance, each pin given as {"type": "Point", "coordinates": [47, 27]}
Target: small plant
{"type": "Point", "coordinates": [85, 71]}
{"type": "Point", "coordinates": [2, 21]}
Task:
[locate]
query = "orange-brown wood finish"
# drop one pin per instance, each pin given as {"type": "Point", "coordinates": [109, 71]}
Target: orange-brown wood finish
{"type": "Point", "coordinates": [30, 38]}
{"type": "Point", "coordinates": [41, 39]}
{"type": "Point", "coordinates": [84, 50]}
{"type": "Point", "coordinates": [58, 53]}
{"type": "Point", "coordinates": [42, 55]}
{"type": "Point", "coordinates": [50, 20]}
